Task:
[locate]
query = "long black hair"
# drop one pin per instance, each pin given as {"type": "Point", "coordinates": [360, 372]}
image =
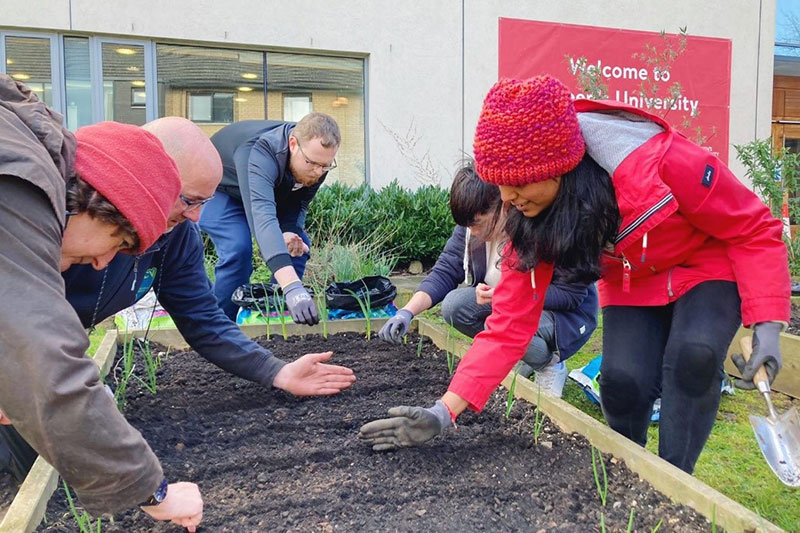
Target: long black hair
{"type": "Point", "coordinates": [572, 232]}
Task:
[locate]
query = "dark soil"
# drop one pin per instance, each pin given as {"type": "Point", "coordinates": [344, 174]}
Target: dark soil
{"type": "Point", "coordinates": [267, 461]}
{"type": "Point", "coordinates": [8, 489]}
{"type": "Point", "coordinates": [794, 324]}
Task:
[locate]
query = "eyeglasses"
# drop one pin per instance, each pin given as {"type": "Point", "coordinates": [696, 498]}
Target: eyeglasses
{"type": "Point", "coordinates": [325, 168]}
{"type": "Point", "coordinates": [193, 204]}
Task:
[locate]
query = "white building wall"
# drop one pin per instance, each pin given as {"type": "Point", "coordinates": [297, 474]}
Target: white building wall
{"type": "Point", "coordinates": [419, 114]}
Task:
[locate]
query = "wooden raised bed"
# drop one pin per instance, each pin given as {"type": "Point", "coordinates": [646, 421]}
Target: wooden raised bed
{"type": "Point", "coordinates": [28, 508]}
{"type": "Point", "coordinates": [788, 380]}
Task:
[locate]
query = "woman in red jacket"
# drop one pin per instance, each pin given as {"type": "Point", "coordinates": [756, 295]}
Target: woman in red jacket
{"type": "Point", "coordinates": [684, 253]}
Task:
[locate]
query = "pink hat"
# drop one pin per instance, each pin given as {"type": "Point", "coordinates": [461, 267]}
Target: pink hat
{"type": "Point", "coordinates": [527, 132]}
{"type": "Point", "coordinates": [129, 166]}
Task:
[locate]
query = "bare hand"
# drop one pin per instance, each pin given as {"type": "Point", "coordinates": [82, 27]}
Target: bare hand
{"type": "Point", "coordinates": [483, 294]}
{"type": "Point", "coordinates": [183, 506]}
{"type": "Point", "coordinates": [294, 244]}
{"type": "Point", "coordinates": [4, 420]}
{"type": "Point", "coordinates": [310, 376]}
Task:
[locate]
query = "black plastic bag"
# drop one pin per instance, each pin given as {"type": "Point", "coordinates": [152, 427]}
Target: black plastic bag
{"type": "Point", "coordinates": [254, 296]}
{"type": "Point", "coordinates": [381, 291]}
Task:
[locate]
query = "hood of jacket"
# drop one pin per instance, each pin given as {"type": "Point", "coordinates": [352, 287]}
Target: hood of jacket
{"type": "Point", "coordinates": [34, 144]}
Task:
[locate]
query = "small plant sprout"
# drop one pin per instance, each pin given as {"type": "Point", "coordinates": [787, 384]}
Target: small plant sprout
{"type": "Point", "coordinates": [602, 522]}
{"type": "Point", "coordinates": [419, 346]}
{"type": "Point", "coordinates": [322, 308]}
{"type": "Point", "coordinates": [630, 522]}
{"type": "Point", "coordinates": [150, 367]}
{"type": "Point", "coordinates": [449, 350]}
{"type": "Point", "coordinates": [281, 304]}
{"type": "Point", "coordinates": [510, 395]}
{"type": "Point", "coordinates": [602, 488]}
{"type": "Point", "coordinates": [713, 519]}
{"type": "Point", "coordinates": [364, 304]}
{"type": "Point", "coordinates": [538, 421]}
{"type": "Point", "coordinates": [85, 522]}
{"type": "Point", "coordinates": [658, 526]}
{"type": "Point", "coordinates": [127, 371]}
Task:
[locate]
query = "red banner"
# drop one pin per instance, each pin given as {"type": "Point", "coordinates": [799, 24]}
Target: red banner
{"type": "Point", "coordinates": [684, 79]}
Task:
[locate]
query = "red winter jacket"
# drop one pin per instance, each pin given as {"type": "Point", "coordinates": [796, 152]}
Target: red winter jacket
{"type": "Point", "coordinates": [685, 219]}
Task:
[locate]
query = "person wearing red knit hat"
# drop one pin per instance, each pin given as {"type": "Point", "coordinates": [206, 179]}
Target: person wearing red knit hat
{"type": "Point", "coordinates": [683, 251]}
{"type": "Point", "coordinates": [67, 199]}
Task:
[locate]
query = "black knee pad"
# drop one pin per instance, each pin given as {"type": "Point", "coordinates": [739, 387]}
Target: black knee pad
{"type": "Point", "coordinates": [696, 368]}
{"type": "Point", "coordinates": [620, 393]}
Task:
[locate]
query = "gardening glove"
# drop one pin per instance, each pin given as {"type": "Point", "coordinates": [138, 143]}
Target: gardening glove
{"type": "Point", "coordinates": [766, 351]}
{"type": "Point", "coordinates": [396, 327]}
{"type": "Point", "coordinates": [300, 304]}
{"type": "Point", "coordinates": [409, 426]}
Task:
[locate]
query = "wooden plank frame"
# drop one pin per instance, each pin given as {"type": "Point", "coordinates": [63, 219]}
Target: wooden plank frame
{"type": "Point", "coordinates": [28, 507]}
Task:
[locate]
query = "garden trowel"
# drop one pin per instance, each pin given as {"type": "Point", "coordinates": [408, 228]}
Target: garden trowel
{"type": "Point", "coordinates": [778, 436]}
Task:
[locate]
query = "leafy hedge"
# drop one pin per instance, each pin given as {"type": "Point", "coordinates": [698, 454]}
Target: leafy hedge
{"type": "Point", "coordinates": [414, 225]}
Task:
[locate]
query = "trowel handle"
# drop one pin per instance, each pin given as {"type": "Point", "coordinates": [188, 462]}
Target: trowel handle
{"type": "Point", "coordinates": [761, 380]}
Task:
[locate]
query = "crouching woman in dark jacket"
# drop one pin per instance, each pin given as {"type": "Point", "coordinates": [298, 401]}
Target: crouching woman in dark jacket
{"type": "Point", "coordinates": [472, 256]}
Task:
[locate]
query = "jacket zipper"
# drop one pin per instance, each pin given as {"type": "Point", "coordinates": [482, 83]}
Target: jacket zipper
{"type": "Point", "coordinates": [626, 274]}
{"type": "Point", "coordinates": [630, 228]}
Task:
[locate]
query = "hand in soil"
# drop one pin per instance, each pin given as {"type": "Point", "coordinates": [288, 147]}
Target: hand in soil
{"type": "Point", "coordinates": [396, 327]}
{"type": "Point", "coordinates": [410, 426]}
{"type": "Point", "coordinates": [310, 376]}
{"type": "Point", "coordinates": [183, 506]}
{"type": "Point", "coordinates": [766, 352]}
{"type": "Point", "coordinates": [300, 304]}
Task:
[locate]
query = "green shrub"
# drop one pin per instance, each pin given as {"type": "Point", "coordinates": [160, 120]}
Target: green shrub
{"type": "Point", "coordinates": [415, 224]}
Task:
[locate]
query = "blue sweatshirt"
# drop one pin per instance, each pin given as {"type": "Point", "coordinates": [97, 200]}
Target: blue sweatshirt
{"type": "Point", "coordinates": [573, 304]}
{"type": "Point", "coordinates": [173, 266]}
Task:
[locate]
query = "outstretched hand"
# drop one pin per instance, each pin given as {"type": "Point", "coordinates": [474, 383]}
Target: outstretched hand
{"type": "Point", "coordinates": [408, 427]}
{"type": "Point", "coordinates": [310, 376]}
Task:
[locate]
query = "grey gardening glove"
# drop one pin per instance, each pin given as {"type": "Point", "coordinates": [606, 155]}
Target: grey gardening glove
{"type": "Point", "coordinates": [396, 327]}
{"type": "Point", "coordinates": [300, 304]}
{"type": "Point", "coordinates": [409, 426]}
{"type": "Point", "coordinates": [766, 351]}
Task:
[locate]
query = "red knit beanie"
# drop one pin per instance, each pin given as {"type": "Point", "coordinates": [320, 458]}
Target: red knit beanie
{"type": "Point", "coordinates": [527, 132]}
{"type": "Point", "coordinates": [129, 166]}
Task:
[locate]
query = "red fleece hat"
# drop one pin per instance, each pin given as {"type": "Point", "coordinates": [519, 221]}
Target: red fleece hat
{"type": "Point", "coordinates": [129, 166]}
{"type": "Point", "coordinates": [527, 132]}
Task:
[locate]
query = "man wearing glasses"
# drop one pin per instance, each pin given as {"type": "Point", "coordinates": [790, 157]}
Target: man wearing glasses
{"type": "Point", "coordinates": [173, 267]}
{"type": "Point", "coordinates": [271, 172]}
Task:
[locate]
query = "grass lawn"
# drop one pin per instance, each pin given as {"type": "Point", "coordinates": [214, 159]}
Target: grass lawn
{"type": "Point", "coordinates": [731, 461]}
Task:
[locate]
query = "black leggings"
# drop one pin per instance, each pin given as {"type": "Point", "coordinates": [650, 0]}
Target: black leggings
{"type": "Point", "coordinates": [675, 352]}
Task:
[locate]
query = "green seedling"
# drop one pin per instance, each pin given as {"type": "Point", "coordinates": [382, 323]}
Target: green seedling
{"type": "Point", "coordinates": [602, 523]}
{"type": "Point", "coordinates": [405, 338]}
{"type": "Point", "coordinates": [658, 526]}
{"type": "Point", "coordinates": [449, 351]}
{"type": "Point", "coordinates": [630, 522]}
{"type": "Point", "coordinates": [602, 489]}
{"type": "Point", "coordinates": [85, 522]}
{"type": "Point", "coordinates": [281, 303]}
{"type": "Point", "coordinates": [364, 304]}
{"type": "Point", "coordinates": [510, 400]}
{"type": "Point", "coordinates": [322, 308]}
{"type": "Point", "coordinates": [538, 421]}
{"type": "Point", "coordinates": [419, 346]}
{"type": "Point", "coordinates": [127, 371]}
{"type": "Point", "coordinates": [714, 519]}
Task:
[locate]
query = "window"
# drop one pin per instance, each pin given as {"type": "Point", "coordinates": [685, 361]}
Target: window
{"type": "Point", "coordinates": [28, 61]}
{"type": "Point", "coordinates": [138, 97]}
{"type": "Point", "coordinates": [211, 86]}
{"type": "Point", "coordinates": [296, 106]}
{"type": "Point", "coordinates": [300, 83]}
{"type": "Point", "coordinates": [78, 82]}
{"type": "Point", "coordinates": [210, 107]}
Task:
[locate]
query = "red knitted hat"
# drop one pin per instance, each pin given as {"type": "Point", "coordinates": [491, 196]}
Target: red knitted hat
{"type": "Point", "coordinates": [129, 166]}
{"type": "Point", "coordinates": [527, 132]}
